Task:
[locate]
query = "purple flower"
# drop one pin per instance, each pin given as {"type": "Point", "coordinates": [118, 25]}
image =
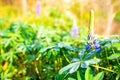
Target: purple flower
{"type": "Point", "coordinates": [88, 46]}
{"type": "Point", "coordinates": [96, 46]}
{"type": "Point", "coordinates": [74, 31]}
{"type": "Point", "coordinates": [98, 50]}
{"type": "Point", "coordinates": [38, 6]}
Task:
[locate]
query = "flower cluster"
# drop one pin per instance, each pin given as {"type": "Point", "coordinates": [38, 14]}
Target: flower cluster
{"type": "Point", "coordinates": [74, 31]}
{"type": "Point", "coordinates": [38, 6]}
{"type": "Point", "coordinates": [93, 45]}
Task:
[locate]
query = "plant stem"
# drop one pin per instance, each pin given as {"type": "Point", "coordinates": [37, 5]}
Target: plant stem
{"type": "Point", "coordinates": [91, 26]}
{"type": "Point", "coordinates": [37, 71]}
{"type": "Point", "coordinates": [91, 23]}
{"type": "Point", "coordinates": [66, 57]}
{"type": "Point", "coordinates": [65, 76]}
{"type": "Point", "coordinates": [106, 56]}
{"type": "Point", "coordinates": [105, 69]}
{"type": "Point", "coordinates": [91, 20]}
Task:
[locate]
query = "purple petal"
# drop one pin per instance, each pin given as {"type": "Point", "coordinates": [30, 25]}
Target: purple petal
{"type": "Point", "coordinates": [96, 44]}
{"type": "Point", "coordinates": [88, 46]}
{"type": "Point", "coordinates": [74, 31]}
{"type": "Point", "coordinates": [38, 8]}
{"type": "Point", "coordinates": [98, 50]}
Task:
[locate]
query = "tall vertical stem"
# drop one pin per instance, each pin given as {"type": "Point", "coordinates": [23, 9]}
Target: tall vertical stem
{"type": "Point", "coordinates": [91, 23]}
{"type": "Point", "coordinates": [91, 26]}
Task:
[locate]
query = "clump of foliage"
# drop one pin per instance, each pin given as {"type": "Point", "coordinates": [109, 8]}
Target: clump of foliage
{"type": "Point", "coordinates": [31, 52]}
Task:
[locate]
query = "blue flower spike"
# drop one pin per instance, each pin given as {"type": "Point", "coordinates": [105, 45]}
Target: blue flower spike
{"type": "Point", "coordinates": [92, 43]}
{"type": "Point", "coordinates": [97, 46]}
{"type": "Point", "coordinates": [93, 46]}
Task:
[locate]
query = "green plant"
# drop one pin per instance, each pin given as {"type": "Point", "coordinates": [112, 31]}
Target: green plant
{"type": "Point", "coordinates": [37, 52]}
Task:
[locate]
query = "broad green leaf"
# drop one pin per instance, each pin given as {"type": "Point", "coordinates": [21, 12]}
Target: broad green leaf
{"type": "Point", "coordinates": [74, 68]}
{"type": "Point", "coordinates": [68, 67]}
{"type": "Point", "coordinates": [75, 60]}
{"type": "Point", "coordinates": [86, 63]}
{"type": "Point", "coordinates": [99, 76]}
{"type": "Point", "coordinates": [88, 74]}
{"type": "Point", "coordinates": [78, 76]}
{"type": "Point", "coordinates": [92, 61]}
{"type": "Point", "coordinates": [114, 56]}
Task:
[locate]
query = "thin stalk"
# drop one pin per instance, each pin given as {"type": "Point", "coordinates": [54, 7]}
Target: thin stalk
{"type": "Point", "coordinates": [91, 24]}
{"type": "Point", "coordinates": [37, 71]}
{"type": "Point", "coordinates": [65, 76]}
{"type": "Point", "coordinates": [97, 69]}
{"type": "Point", "coordinates": [105, 69]}
{"type": "Point", "coordinates": [59, 63]}
{"type": "Point", "coordinates": [66, 57]}
{"type": "Point", "coordinates": [106, 56]}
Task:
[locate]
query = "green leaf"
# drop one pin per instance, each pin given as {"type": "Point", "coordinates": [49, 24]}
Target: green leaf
{"type": "Point", "coordinates": [88, 74]}
{"type": "Point", "coordinates": [70, 48]}
{"type": "Point", "coordinates": [83, 65]}
{"type": "Point", "coordinates": [75, 60]}
{"type": "Point", "coordinates": [92, 61]}
{"type": "Point", "coordinates": [90, 55]}
{"type": "Point", "coordinates": [71, 78]}
{"type": "Point", "coordinates": [46, 49]}
{"type": "Point", "coordinates": [114, 56]}
{"type": "Point", "coordinates": [74, 68]}
{"type": "Point", "coordinates": [59, 77]}
{"type": "Point", "coordinates": [99, 76]}
{"type": "Point", "coordinates": [86, 63]}
{"type": "Point", "coordinates": [78, 76]}
{"type": "Point", "coordinates": [81, 54]}
{"type": "Point", "coordinates": [68, 67]}
{"type": "Point", "coordinates": [118, 77]}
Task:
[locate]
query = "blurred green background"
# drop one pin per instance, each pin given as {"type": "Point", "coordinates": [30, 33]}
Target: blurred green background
{"type": "Point", "coordinates": [39, 37]}
{"type": "Point", "coordinates": [58, 12]}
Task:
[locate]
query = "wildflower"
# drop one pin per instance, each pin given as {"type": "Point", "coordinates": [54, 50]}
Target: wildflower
{"type": "Point", "coordinates": [97, 46]}
{"type": "Point", "coordinates": [93, 45]}
{"type": "Point", "coordinates": [38, 8]}
{"type": "Point", "coordinates": [92, 42]}
{"type": "Point", "coordinates": [74, 30]}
